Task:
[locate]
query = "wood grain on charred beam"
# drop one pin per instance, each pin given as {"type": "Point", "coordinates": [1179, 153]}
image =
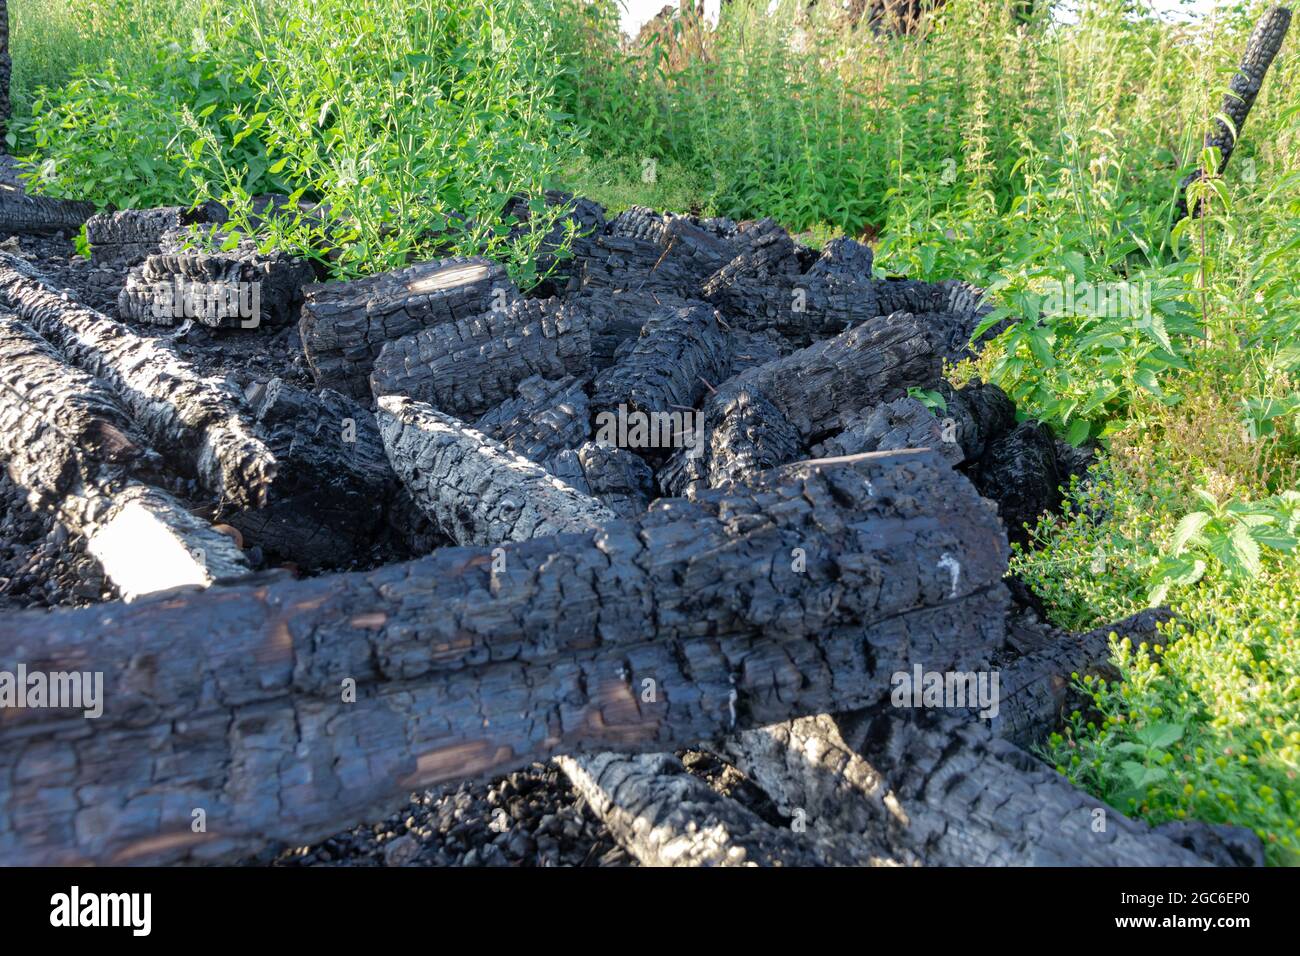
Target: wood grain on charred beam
{"type": "Point", "coordinates": [543, 418]}
{"type": "Point", "coordinates": [344, 325]}
{"type": "Point", "coordinates": [68, 442]}
{"type": "Point", "coordinates": [36, 215]}
{"type": "Point", "coordinates": [679, 356]}
{"type": "Point", "coordinates": [818, 388]}
{"type": "Point", "coordinates": [664, 816]}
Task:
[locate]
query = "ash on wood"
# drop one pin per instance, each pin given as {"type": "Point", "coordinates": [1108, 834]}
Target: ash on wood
{"type": "Point", "coordinates": [344, 325]}
{"type": "Point", "coordinates": [235, 288]}
{"type": "Point", "coordinates": [196, 422]}
{"type": "Point", "coordinates": [70, 445]}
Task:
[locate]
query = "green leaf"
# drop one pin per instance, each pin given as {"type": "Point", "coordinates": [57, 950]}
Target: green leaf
{"type": "Point", "coordinates": [1078, 432]}
{"type": "Point", "coordinates": [1188, 531]}
{"type": "Point", "coordinates": [1245, 549]}
{"type": "Point", "coordinates": [1160, 736]}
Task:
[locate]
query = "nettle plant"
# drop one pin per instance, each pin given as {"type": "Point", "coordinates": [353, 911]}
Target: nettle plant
{"type": "Point", "coordinates": [1229, 536]}
{"type": "Point", "coordinates": [1087, 341]}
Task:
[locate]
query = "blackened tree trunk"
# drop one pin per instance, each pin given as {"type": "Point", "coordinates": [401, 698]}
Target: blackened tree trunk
{"type": "Point", "coordinates": [1262, 47]}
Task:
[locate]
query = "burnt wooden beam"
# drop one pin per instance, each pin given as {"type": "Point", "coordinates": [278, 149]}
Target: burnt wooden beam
{"type": "Point", "coordinates": [67, 441]}
{"type": "Point", "coordinates": [466, 367]}
{"type": "Point", "coordinates": [614, 476]}
{"type": "Point", "coordinates": [679, 355]}
{"type": "Point", "coordinates": [476, 490]}
{"type": "Point", "coordinates": [241, 287]}
{"type": "Point", "coordinates": [665, 816]}
{"type": "Point", "coordinates": [345, 325]}
{"type": "Point", "coordinates": [542, 419]}
{"type": "Point", "coordinates": [942, 790]}
{"type": "Point", "coordinates": [1036, 688]}
{"type": "Point", "coordinates": [235, 701]}
{"type": "Point", "coordinates": [819, 387]}
{"type": "Point", "coordinates": [126, 237]}
{"type": "Point", "coordinates": [333, 483]}
{"type": "Point", "coordinates": [38, 215]}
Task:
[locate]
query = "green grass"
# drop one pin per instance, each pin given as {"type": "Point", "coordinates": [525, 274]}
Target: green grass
{"type": "Point", "coordinates": [1019, 156]}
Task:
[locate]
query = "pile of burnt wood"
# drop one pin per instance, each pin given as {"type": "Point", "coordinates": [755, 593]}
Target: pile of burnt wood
{"type": "Point", "coordinates": [704, 484]}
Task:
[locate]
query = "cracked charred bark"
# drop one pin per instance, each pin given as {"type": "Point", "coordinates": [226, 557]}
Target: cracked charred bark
{"type": "Point", "coordinates": [22, 214]}
{"type": "Point", "coordinates": [615, 477]}
{"type": "Point", "coordinates": [126, 237]}
{"type": "Point", "coordinates": [67, 441]}
{"type": "Point", "coordinates": [213, 286]}
{"type": "Point", "coordinates": [333, 481]}
{"type": "Point", "coordinates": [345, 325]}
{"type": "Point", "coordinates": [229, 700]}
{"type": "Point", "coordinates": [943, 788]}
{"type": "Point", "coordinates": [681, 354]}
{"type": "Point", "coordinates": [198, 423]}
{"type": "Point", "coordinates": [543, 419]}
{"type": "Point", "coordinates": [664, 816]}
{"type": "Point", "coordinates": [471, 486]}
{"type": "Point", "coordinates": [466, 367]}
{"type": "Point", "coordinates": [819, 387]}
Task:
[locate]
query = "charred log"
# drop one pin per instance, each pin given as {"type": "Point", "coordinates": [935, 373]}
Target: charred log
{"type": "Point", "coordinates": [333, 482]}
{"type": "Point", "coordinates": [478, 492]}
{"type": "Point", "coordinates": [38, 215]}
{"type": "Point", "coordinates": [1261, 49]}
{"type": "Point", "coordinates": [666, 817]}
{"type": "Point", "coordinates": [543, 419]}
{"type": "Point", "coordinates": [67, 441]}
{"type": "Point", "coordinates": [466, 367]}
{"type": "Point", "coordinates": [615, 477]}
{"type": "Point", "coordinates": [680, 355]}
{"type": "Point", "coordinates": [198, 423]}
{"type": "Point", "coordinates": [461, 669]}
{"type": "Point", "coordinates": [236, 288]}
{"type": "Point", "coordinates": [344, 325]}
